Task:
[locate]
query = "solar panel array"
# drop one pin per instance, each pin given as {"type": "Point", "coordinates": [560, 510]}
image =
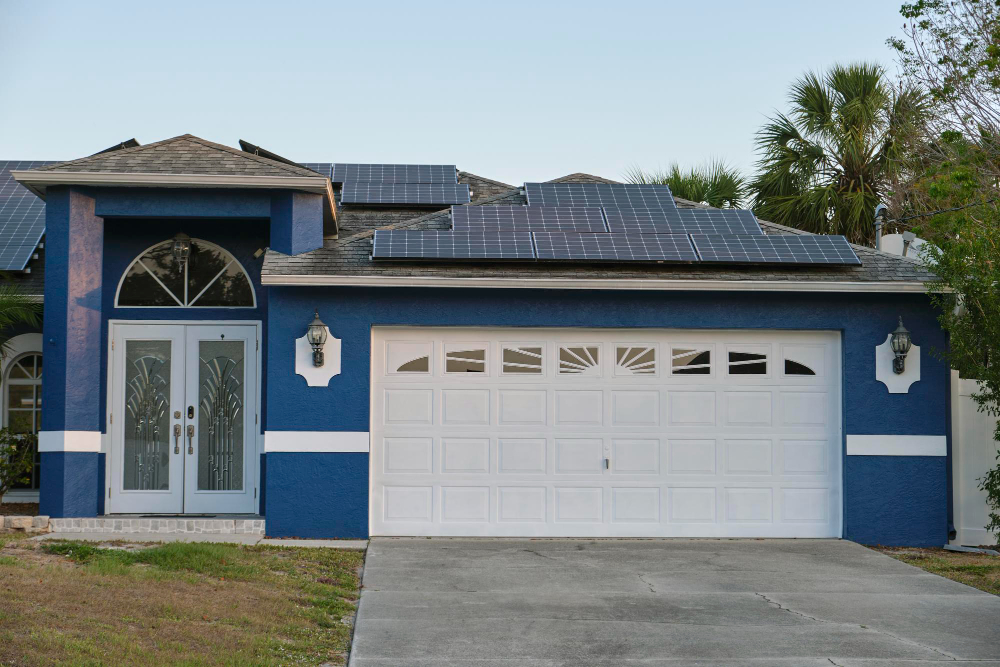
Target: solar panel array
{"type": "Point", "coordinates": [425, 244]}
{"type": "Point", "coordinates": [615, 195]}
{"type": "Point", "coordinates": [776, 248]}
{"type": "Point", "coordinates": [682, 221]}
{"type": "Point", "coordinates": [421, 194]}
{"type": "Point", "coordinates": [603, 222]}
{"type": "Point", "coordinates": [528, 218]}
{"type": "Point", "coordinates": [395, 173]}
{"type": "Point", "coordinates": [324, 168]}
{"type": "Point", "coordinates": [614, 247]}
{"type": "Point", "coordinates": [22, 217]}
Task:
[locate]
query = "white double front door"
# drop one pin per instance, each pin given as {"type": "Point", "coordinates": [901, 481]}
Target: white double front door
{"type": "Point", "coordinates": [605, 433]}
{"type": "Point", "coordinates": [183, 418]}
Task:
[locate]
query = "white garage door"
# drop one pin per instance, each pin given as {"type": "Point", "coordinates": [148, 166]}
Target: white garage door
{"type": "Point", "coordinates": [605, 433]}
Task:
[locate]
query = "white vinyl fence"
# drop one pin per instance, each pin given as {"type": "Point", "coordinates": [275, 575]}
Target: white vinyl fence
{"type": "Point", "coordinates": [974, 452]}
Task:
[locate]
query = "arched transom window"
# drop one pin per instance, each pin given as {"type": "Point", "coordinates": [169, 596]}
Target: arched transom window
{"type": "Point", "coordinates": [210, 277]}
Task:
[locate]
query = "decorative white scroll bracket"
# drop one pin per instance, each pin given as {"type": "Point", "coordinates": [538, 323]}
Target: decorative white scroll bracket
{"type": "Point", "coordinates": [897, 384]}
{"type": "Point", "coordinates": [317, 376]}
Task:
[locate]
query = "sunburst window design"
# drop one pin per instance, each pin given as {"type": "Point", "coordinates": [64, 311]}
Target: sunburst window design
{"type": "Point", "coordinates": [210, 277]}
{"type": "Point", "coordinates": [637, 360]}
{"type": "Point", "coordinates": [526, 360]}
{"type": "Point", "coordinates": [690, 361]}
{"type": "Point", "coordinates": [580, 360]}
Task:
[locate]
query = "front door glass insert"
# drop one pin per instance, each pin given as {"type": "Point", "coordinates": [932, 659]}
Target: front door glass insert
{"type": "Point", "coordinates": [147, 415]}
{"type": "Point", "coordinates": [221, 397]}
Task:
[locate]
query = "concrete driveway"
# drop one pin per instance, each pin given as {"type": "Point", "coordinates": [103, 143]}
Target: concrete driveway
{"type": "Point", "coordinates": [548, 603]}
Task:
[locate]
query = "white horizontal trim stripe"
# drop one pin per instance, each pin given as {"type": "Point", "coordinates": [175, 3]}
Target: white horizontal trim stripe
{"type": "Point", "coordinates": [598, 283]}
{"type": "Point", "coordinates": [897, 445]}
{"type": "Point", "coordinates": [69, 441]}
{"type": "Point", "coordinates": [41, 179]}
{"type": "Point", "coordinates": [316, 441]}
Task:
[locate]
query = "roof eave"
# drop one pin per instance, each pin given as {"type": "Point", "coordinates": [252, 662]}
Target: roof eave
{"type": "Point", "coordinates": [912, 287]}
{"type": "Point", "coordinates": [39, 181]}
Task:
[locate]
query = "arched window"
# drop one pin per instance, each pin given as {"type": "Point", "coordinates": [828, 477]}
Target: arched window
{"type": "Point", "coordinates": [23, 402]}
{"type": "Point", "coordinates": [210, 278]}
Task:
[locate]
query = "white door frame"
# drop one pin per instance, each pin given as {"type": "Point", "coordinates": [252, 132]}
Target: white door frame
{"type": "Point", "coordinates": [254, 437]}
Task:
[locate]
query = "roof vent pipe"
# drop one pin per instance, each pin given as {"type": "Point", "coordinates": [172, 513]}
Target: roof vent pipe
{"type": "Point", "coordinates": [880, 212]}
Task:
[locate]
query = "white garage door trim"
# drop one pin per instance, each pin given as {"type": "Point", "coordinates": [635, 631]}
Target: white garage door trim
{"type": "Point", "coordinates": [611, 433]}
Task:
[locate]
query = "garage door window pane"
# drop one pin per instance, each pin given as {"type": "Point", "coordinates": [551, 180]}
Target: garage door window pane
{"type": "Point", "coordinates": [795, 368]}
{"type": "Point", "coordinates": [465, 361]}
{"type": "Point", "coordinates": [747, 363]}
{"type": "Point", "coordinates": [522, 360]}
{"type": "Point", "coordinates": [583, 360]}
{"type": "Point", "coordinates": [690, 361]}
{"type": "Point", "coordinates": [637, 360]}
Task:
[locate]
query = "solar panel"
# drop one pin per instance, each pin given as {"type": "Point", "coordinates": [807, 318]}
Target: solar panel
{"type": "Point", "coordinates": [780, 249]}
{"type": "Point", "coordinates": [527, 218]}
{"type": "Point", "coordinates": [395, 173]}
{"type": "Point", "coordinates": [22, 217]}
{"type": "Point", "coordinates": [428, 244]}
{"type": "Point", "coordinates": [404, 193]}
{"type": "Point", "coordinates": [614, 247]}
{"type": "Point", "coordinates": [682, 221]}
{"type": "Point", "coordinates": [324, 168]}
{"type": "Point", "coordinates": [615, 195]}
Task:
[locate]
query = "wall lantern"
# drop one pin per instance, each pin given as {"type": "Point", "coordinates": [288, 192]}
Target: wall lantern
{"type": "Point", "coordinates": [182, 248]}
{"type": "Point", "coordinates": [900, 342]}
{"type": "Point", "coordinates": [316, 335]}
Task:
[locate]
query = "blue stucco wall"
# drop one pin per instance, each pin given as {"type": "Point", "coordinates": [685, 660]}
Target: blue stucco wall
{"type": "Point", "coordinates": [863, 320]}
{"type": "Point", "coordinates": [72, 484]}
{"type": "Point", "coordinates": [317, 495]}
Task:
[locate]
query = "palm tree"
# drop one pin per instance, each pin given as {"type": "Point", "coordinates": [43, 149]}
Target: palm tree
{"type": "Point", "coordinates": [842, 146]}
{"type": "Point", "coordinates": [716, 184]}
{"type": "Point", "coordinates": [16, 307]}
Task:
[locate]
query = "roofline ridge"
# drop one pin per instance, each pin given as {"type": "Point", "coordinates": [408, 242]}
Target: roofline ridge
{"type": "Point", "coordinates": [232, 151]}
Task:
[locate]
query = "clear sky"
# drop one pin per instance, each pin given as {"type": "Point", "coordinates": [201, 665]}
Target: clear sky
{"type": "Point", "coordinates": [515, 91]}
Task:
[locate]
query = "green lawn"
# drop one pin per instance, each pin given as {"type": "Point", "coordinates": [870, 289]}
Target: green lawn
{"type": "Point", "coordinates": [977, 570]}
{"type": "Point", "coordinates": [176, 604]}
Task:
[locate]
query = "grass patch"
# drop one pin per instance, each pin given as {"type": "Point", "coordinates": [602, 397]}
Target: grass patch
{"type": "Point", "coordinates": [175, 604]}
{"type": "Point", "coordinates": [980, 571]}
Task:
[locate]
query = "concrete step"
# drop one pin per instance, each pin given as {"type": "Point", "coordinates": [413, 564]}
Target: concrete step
{"type": "Point", "coordinates": [160, 525]}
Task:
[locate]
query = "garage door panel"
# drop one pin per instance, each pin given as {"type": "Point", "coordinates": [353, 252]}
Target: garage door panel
{"type": "Point", "coordinates": [605, 433]}
{"type": "Point", "coordinates": [576, 456]}
{"type": "Point", "coordinates": [522, 407]}
{"type": "Point", "coordinates": [522, 455]}
{"type": "Point", "coordinates": [692, 408]}
{"type": "Point", "coordinates": [575, 407]}
{"type": "Point", "coordinates": [635, 408]}
{"type": "Point", "coordinates": [465, 456]}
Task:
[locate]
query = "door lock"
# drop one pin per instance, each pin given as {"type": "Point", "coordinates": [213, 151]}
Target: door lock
{"type": "Point", "coordinates": [190, 412]}
{"type": "Point", "coordinates": [177, 438]}
{"type": "Point", "coordinates": [190, 436]}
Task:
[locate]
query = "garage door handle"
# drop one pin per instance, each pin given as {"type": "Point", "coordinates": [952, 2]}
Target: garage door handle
{"type": "Point", "coordinates": [607, 464]}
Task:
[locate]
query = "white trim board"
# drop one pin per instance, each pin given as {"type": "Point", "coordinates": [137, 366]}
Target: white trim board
{"type": "Point", "coordinates": [315, 441]}
{"type": "Point", "coordinates": [596, 283]}
{"type": "Point", "coordinates": [897, 445]}
{"type": "Point", "coordinates": [69, 441]}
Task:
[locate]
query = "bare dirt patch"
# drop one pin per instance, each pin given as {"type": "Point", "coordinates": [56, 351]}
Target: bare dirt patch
{"type": "Point", "coordinates": [18, 509]}
{"type": "Point", "coordinates": [980, 571]}
{"type": "Point", "coordinates": [201, 604]}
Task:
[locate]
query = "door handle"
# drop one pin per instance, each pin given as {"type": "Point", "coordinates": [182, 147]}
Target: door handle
{"type": "Point", "coordinates": [177, 438]}
{"type": "Point", "coordinates": [190, 436]}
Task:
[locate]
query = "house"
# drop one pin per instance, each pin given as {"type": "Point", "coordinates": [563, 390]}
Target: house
{"type": "Point", "coordinates": [484, 372]}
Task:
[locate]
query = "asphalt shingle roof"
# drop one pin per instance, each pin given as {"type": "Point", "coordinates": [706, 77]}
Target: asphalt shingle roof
{"type": "Point", "coordinates": [186, 154]}
{"type": "Point", "coordinates": [349, 255]}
